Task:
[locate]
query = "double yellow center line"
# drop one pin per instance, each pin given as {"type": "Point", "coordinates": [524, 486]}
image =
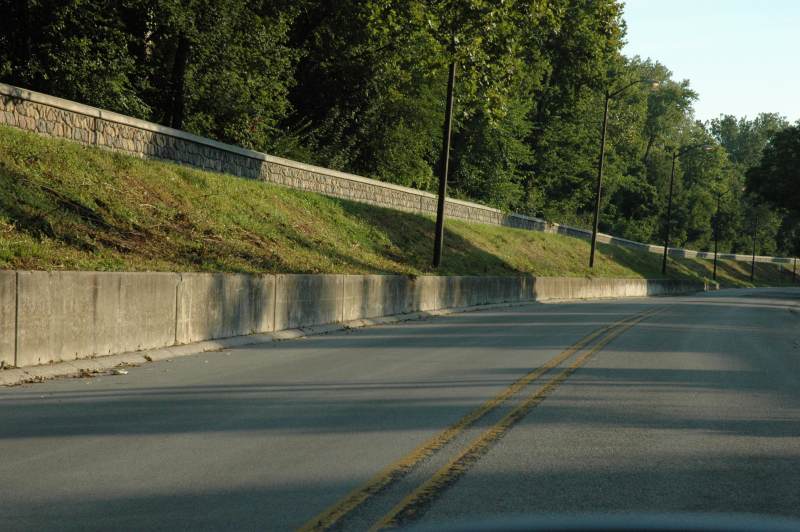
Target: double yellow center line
{"type": "Point", "coordinates": [419, 498]}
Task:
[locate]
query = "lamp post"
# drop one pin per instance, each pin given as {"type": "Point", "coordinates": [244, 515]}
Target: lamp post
{"type": "Point", "coordinates": [753, 263]}
{"type": "Point", "coordinates": [675, 154]}
{"type": "Point", "coordinates": [720, 195]}
{"type": "Point", "coordinates": [448, 128]}
{"type": "Point", "coordinates": [599, 185]}
{"type": "Point", "coordinates": [716, 231]}
{"type": "Point", "coordinates": [716, 235]}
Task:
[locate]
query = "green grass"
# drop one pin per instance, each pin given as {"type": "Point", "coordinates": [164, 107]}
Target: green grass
{"type": "Point", "coordinates": [68, 207]}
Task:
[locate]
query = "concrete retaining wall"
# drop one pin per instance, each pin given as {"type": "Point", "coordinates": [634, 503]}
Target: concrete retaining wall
{"type": "Point", "coordinates": [305, 300]}
{"type": "Point", "coordinates": [219, 305]}
{"type": "Point", "coordinates": [373, 296]}
{"type": "Point", "coordinates": [69, 315]}
{"type": "Point", "coordinates": [57, 316]}
{"type": "Point", "coordinates": [56, 117]}
{"type": "Point", "coordinates": [8, 317]}
{"type": "Point", "coordinates": [547, 288]}
{"type": "Point", "coordinates": [467, 291]}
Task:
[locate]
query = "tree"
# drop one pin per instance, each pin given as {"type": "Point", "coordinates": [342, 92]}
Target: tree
{"type": "Point", "coordinates": [490, 156]}
{"type": "Point", "coordinates": [75, 49]}
{"type": "Point", "coordinates": [776, 178]}
{"type": "Point", "coordinates": [220, 68]}
{"type": "Point", "coordinates": [360, 86]}
{"type": "Point", "coordinates": [745, 139]}
{"type": "Point", "coordinates": [580, 43]}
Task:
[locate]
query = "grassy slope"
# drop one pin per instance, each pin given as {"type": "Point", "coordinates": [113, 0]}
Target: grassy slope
{"type": "Point", "coordinates": [64, 206]}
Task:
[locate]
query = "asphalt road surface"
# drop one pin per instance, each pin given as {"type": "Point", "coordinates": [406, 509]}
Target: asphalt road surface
{"type": "Point", "coordinates": [687, 404]}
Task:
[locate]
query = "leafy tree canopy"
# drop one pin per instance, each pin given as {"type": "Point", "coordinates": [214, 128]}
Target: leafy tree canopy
{"type": "Point", "coordinates": [359, 85]}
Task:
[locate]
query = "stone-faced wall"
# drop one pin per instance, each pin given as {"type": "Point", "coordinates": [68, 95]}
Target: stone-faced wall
{"type": "Point", "coordinates": [60, 118]}
{"type": "Point", "coordinates": [65, 119]}
{"type": "Point", "coordinates": [341, 185]}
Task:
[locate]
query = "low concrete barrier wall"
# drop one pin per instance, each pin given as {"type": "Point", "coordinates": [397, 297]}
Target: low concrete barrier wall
{"type": "Point", "coordinates": [305, 300]}
{"type": "Point", "coordinates": [373, 296]}
{"type": "Point", "coordinates": [69, 315]}
{"type": "Point", "coordinates": [546, 288]}
{"type": "Point", "coordinates": [57, 316]}
{"type": "Point", "coordinates": [8, 317]}
{"type": "Point", "coordinates": [429, 292]}
{"type": "Point", "coordinates": [655, 288]}
{"type": "Point", "coordinates": [468, 291]}
{"type": "Point", "coordinates": [220, 305]}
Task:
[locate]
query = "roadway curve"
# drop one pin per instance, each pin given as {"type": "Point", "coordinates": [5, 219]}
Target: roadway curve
{"type": "Point", "coordinates": [658, 404]}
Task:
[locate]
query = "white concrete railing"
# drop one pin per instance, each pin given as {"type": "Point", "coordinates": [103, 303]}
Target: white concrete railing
{"type": "Point", "coordinates": [57, 117]}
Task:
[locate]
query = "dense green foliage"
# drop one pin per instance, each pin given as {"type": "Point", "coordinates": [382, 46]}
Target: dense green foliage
{"type": "Point", "coordinates": [776, 178]}
{"type": "Point", "coordinates": [359, 85]}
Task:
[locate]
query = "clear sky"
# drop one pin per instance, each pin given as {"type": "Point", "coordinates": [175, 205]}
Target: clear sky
{"type": "Point", "coordinates": [741, 56]}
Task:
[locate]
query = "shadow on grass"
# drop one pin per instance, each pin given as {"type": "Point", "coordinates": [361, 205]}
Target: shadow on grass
{"type": "Point", "coordinates": [91, 224]}
{"type": "Point", "coordinates": [411, 239]}
{"type": "Point", "coordinates": [44, 200]}
{"type": "Point", "coordinates": [737, 274]}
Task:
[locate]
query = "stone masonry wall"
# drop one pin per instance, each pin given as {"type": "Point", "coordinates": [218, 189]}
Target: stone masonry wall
{"type": "Point", "coordinates": [332, 185]}
{"type": "Point", "coordinates": [65, 119]}
{"type": "Point", "coordinates": [94, 130]}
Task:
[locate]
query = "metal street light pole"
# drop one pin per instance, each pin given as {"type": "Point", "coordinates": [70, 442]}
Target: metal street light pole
{"type": "Point", "coordinates": [716, 231]}
{"type": "Point", "coordinates": [669, 214]}
{"type": "Point", "coordinates": [448, 129]}
{"type": "Point", "coordinates": [675, 154]}
{"type": "Point", "coordinates": [716, 235]}
{"type": "Point", "coordinates": [753, 264]}
{"type": "Point", "coordinates": [599, 185]}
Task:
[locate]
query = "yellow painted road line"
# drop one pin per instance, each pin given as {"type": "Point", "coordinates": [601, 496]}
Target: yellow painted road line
{"type": "Point", "coordinates": [331, 516]}
{"type": "Point", "coordinates": [416, 502]}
